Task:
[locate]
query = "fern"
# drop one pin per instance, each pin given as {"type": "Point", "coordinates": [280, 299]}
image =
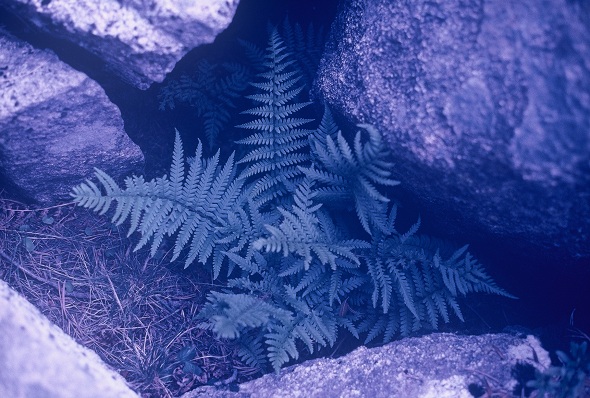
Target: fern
{"type": "Point", "coordinates": [198, 205]}
{"type": "Point", "coordinates": [300, 232]}
{"type": "Point", "coordinates": [279, 142]}
{"type": "Point", "coordinates": [297, 274]}
{"type": "Point", "coordinates": [252, 350]}
{"type": "Point", "coordinates": [327, 128]}
{"type": "Point", "coordinates": [292, 317]}
{"type": "Point", "coordinates": [213, 98]}
{"type": "Point", "coordinates": [306, 48]}
{"type": "Point", "coordinates": [570, 379]}
{"type": "Point", "coordinates": [228, 314]}
{"type": "Point", "coordinates": [347, 174]}
{"type": "Point", "coordinates": [410, 276]}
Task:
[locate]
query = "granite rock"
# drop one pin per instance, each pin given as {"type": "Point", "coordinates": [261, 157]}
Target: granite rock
{"type": "Point", "coordinates": [485, 105]}
{"type": "Point", "coordinates": [56, 125]}
{"type": "Point", "coordinates": [433, 366]}
{"type": "Point", "coordinates": [37, 359]}
{"type": "Point", "coordinates": [140, 41]}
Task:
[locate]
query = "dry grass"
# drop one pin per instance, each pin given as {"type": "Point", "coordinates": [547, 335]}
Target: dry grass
{"type": "Point", "coordinates": [137, 313]}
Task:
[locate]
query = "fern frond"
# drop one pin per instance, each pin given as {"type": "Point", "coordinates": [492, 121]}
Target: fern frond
{"type": "Point", "coordinates": [198, 206]}
{"type": "Point", "coordinates": [463, 274]}
{"type": "Point", "coordinates": [306, 47]}
{"type": "Point", "coordinates": [382, 285]}
{"type": "Point", "coordinates": [212, 98]}
{"type": "Point", "coordinates": [253, 53]}
{"type": "Point", "coordinates": [279, 142]}
{"type": "Point", "coordinates": [227, 315]}
{"type": "Point", "coordinates": [376, 325]}
{"type": "Point", "coordinates": [315, 324]}
{"type": "Point", "coordinates": [427, 284]}
{"type": "Point", "coordinates": [327, 128]}
{"type": "Point", "coordinates": [310, 277]}
{"type": "Point", "coordinates": [281, 346]}
{"type": "Point", "coordinates": [252, 350]}
{"type": "Point", "coordinates": [300, 233]}
{"type": "Point", "coordinates": [411, 232]}
{"type": "Point", "coordinates": [356, 171]}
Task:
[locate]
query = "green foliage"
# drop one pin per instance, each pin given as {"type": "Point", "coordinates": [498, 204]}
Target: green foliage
{"type": "Point", "coordinates": [198, 206]}
{"type": "Point", "coordinates": [279, 142]}
{"type": "Point", "coordinates": [228, 314]}
{"type": "Point", "coordinates": [570, 380]}
{"type": "Point", "coordinates": [300, 232]}
{"type": "Point", "coordinates": [306, 47]}
{"type": "Point", "coordinates": [214, 89]}
{"type": "Point", "coordinates": [346, 174]}
{"type": "Point", "coordinates": [301, 267]}
{"type": "Point", "coordinates": [420, 278]}
{"type": "Point", "coordinates": [211, 92]}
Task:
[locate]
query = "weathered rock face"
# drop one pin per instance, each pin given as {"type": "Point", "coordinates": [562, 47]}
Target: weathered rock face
{"type": "Point", "coordinates": [485, 104]}
{"type": "Point", "coordinates": [433, 366]}
{"type": "Point", "coordinates": [141, 41]}
{"type": "Point", "coordinates": [56, 125]}
{"type": "Point", "coordinates": [37, 359]}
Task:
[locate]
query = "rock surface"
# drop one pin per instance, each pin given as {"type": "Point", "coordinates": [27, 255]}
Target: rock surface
{"type": "Point", "coordinates": [141, 41]}
{"type": "Point", "coordinates": [37, 359]}
{"type": "Point", "coordinates": [485, 104]}
{"type": "Point", "coordinates": [56, 125]}
{"type": "Point", "coordinates": [434, 366]}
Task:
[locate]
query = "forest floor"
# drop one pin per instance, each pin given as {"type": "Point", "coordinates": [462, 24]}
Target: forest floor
{"type": "Point", "coordinates": [138, 313]}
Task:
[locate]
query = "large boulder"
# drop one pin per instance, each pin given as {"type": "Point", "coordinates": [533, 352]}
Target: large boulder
{"type": "Point", "coordinates": [56, 125]}
{"type": "Point", "coordinates": [485, 105]}
{"type": "Point", "coordinates": [37, 359]}
{"type": "Point", "coordinates": [434, 366]}
{"type": "Point", "coordinates": [140, 41]}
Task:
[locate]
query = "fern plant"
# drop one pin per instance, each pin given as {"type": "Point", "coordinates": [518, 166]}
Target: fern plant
{"type": "Point", "coordinates": [306, 46]}
{"type": "Point", "coordinates": [212, 92]}
{"type": "Point", "coordinates": [299, 272]}
{"type": "Point", "coordinates": [346, 174]}
{"type": "Point", "coordinates": [198, 206]}
{"type": "Point", "coordinates": [279, 144]}
{"type": "Point", "coordinates": [300, 232]}
{"type": "Point", "coordinates": [272, 318]}
{"type": "Point", "coordinates": [416, 280]}
{"type": "Point", "coordinates": [296, 284]}
{"type": "Point", "coordinates": [570, 380]}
